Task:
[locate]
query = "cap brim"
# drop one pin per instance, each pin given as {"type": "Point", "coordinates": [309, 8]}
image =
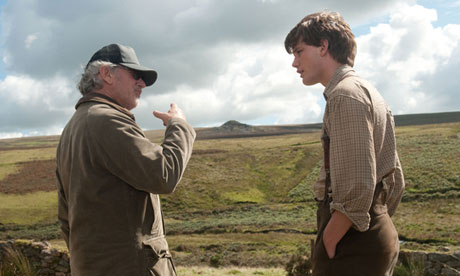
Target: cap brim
{"type": "Point", "coordinates": [148, 75]}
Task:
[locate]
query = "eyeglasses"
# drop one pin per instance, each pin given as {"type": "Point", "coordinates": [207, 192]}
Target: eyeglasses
{"type": "Point", "coordinates": [135, 74]}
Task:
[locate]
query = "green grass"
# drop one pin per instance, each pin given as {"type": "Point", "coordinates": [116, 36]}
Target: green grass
{"type": "Point", "coordinates": [261, 170]}
{"type": "Point", "coordinates": [245, 219]}
{"type": "Point", "coordinates": [434, 221]}
{"type": "Point", "coordinates": [430, 157]}
{"type": "Point", "coordinates": [271, 249]}
{"type": "Point", "coordinates": [29, 142]}
{"type": "Point", "coordinates": [32, 216]}
{"type": "Point", "coordinates": [23, 155]}
{"type": "Point", "coordinates": [28, 209]}
{"type": "Point", "coordinates": [252, 195]}
{"type": "Point", "coordinates": [229, 271]}
{"type": "Point", "coordinates": [303, 191]}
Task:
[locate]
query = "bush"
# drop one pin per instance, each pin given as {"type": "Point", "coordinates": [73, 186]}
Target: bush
{"type": "Point", "coordinates": [300, 263]}
{"type": "Point", "coordinates": [216, 260]}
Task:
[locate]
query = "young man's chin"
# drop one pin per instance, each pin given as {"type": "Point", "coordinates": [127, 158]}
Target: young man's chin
{"type": "Point", "coordinates": [308, 82]}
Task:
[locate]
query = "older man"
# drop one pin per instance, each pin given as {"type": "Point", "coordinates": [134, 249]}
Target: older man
{"type": "Point", "coordinates": [109, 174]}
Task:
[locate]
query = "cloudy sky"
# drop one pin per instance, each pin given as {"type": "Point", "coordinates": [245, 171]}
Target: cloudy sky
{"type": "Point", "coordinates": [219, 60]}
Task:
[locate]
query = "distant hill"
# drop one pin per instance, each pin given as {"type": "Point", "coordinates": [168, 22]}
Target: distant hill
{"type": "Point", "coordinates": [427, 118]}
{"type": "Point", "coordinates": [235, 129]}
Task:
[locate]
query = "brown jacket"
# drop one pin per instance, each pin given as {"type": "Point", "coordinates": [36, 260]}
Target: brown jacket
{"type": "Point", "coordinates": [109, 177]}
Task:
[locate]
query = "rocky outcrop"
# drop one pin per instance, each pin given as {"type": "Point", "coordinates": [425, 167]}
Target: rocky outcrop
{"type": "Point", "coordinates": [233, 125]}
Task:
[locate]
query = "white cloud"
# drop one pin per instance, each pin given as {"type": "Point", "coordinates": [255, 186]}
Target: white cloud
{"type": "Point", "coordinates": [6, 135]}
{"type": "Point", "coordinates": [29, 39]}
{"type": "Point", "coordinates": [402, 56]}
{"type": "Point", "coordinates": [257, 83]}
{"type": "Point", "coordinates": [35, 106]}
{"type": "Point", "coordinates": [455, 4]}
{"type": "Point", "coordinates": [218, 59]}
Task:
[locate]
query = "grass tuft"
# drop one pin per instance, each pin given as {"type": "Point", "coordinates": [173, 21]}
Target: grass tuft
{"type": "Point", "coordinates": [410, 266]}
{"type": "Point", "coordinates": [14, 263]}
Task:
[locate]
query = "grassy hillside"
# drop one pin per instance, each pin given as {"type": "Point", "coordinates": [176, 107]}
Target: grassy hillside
{"type": "Point", "coordinates": [248, 201]}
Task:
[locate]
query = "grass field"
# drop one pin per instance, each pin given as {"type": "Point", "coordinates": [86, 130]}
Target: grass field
{"type": "Point", "coordinates": [247, 202]}
{"type": "Point", "coordinates": [229, 271]}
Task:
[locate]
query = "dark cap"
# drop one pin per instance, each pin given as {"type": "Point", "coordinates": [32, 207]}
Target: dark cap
{"type": "Point", "coordinates": [124, 55]}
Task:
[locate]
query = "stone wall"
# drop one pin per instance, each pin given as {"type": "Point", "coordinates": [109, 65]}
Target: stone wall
{"type": "Point", "coordinates": [52, 262]}
{"type": "Point", "coordinates": [435, 263]}
{"type": "Point", "coordinates": [47, 261]}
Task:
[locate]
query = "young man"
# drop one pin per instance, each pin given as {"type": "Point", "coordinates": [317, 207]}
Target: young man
{"type": "Point", "coordinates": [109, 174]}
{"type": "Point", "coordinates": [361, 181]}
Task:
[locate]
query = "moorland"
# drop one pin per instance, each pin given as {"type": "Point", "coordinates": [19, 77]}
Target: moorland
{"type": "Point", "coordinates": [245, 198]}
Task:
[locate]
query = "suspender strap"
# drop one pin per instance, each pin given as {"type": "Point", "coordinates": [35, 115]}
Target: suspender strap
{"type": "Point", "coordinates": [326, 144]}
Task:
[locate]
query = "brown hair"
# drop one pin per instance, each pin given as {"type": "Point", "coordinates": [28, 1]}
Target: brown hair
{"type": "Point", "coordinates": [325, 25]}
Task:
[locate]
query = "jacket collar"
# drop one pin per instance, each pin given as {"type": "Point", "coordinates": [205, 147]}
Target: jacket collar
{"type": "Point", "coordinates": [341, 73]}
{"type": "Point", "coordinates": [101, 98]}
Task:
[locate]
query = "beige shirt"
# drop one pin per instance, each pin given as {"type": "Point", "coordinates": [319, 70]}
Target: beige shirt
{"type": "Point", "coordinates": [362, 148]}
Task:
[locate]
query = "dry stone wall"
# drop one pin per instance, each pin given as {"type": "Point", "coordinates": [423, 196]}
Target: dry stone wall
{"type": "Point", "coordinates": [435, 263]}
{"type": "Point", "coordinates": [47, 261]}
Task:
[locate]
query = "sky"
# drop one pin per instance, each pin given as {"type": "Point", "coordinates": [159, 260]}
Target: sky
{"type": "Point", "coordinates": [219, 60]}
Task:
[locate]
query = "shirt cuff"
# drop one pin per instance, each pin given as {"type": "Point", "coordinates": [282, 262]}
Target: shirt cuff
{"type": "Point", "coordinates": [360, 220]}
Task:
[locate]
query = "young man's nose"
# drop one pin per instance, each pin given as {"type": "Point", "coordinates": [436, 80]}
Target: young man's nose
{"type": "Point", "coordinates": [295, 63]}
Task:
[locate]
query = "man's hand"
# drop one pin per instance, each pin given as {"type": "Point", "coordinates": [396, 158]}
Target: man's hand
{"type": "Point", "coordinates": [336, 228]}
{"type": "Point", "coordinates": [173, 112]}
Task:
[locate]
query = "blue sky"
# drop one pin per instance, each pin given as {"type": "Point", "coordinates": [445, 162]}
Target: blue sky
{"type": "Point", "coordinates": [219, 60]}
{"type": "Point", "coordinates": [2, 70]}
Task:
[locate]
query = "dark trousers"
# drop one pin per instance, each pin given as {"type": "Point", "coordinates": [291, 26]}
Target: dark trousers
{"type": "Point", "coordinates": [373, 252]}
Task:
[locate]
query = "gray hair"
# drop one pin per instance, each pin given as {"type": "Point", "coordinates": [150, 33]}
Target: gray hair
{"type": "Point", "coordinates": [90, 79]}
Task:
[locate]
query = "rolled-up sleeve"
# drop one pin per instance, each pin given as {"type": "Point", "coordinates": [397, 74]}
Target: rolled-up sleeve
{"type": "Point", "coordinates": [352, 159]}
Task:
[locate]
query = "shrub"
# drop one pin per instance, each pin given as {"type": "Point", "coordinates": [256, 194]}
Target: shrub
{"type": "Point", "coordinates": [216, 260]}
{"type": "Point", "coordinates": [14, 263]}
{"type": "Point", "coordinates": [300, 263]}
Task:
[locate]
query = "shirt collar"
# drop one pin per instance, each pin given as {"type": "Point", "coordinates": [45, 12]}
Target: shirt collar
{"type": "Point", "coordinates": [342, 72]}
{"type": "Point", "coordinates": [101, 98]}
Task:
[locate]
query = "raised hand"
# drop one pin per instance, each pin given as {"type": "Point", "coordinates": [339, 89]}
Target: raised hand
{"type": "Point", "coordinates": [173, 112]}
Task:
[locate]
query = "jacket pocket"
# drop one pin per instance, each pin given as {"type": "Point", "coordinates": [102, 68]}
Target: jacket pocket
{"type": "Point", "coordinates": [159, 259]}
{"type": "Point", "coordinates": [159, 246]}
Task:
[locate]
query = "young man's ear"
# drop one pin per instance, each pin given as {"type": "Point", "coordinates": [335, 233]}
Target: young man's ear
{"type": "Point", "coordinates": [324, 47]}
{"type": "Point", "coordinates": [106, 74]}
